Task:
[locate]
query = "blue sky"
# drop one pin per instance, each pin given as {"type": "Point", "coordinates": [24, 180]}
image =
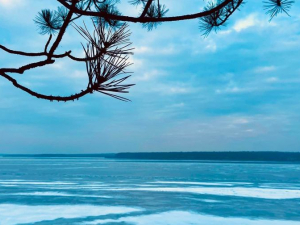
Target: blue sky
{"type": "Point", "coordinates": [237, 90]}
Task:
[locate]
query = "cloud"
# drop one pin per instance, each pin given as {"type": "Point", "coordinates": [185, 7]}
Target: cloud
{"type": "Point", "coordinates": [148, 76]}
{"type": "Point", "coordinates": [211, 46]}
{"type": "Point", "coordinates": [272, 80]}
{"type": "Point", "coordinates": [245, 23]}
{"type": "Point", "coordinates": [135, 63]}
{"type": "Point", "coordinates": [253, 20]}
{"type": "Point", "coordinates": [232, 90]}
{"type": "Point", "coordinates": [265, 69]}
{"type": "Point", "coordinates": [178, 76]}
{"type": "Point", "coordinates": [156, 50]}
{"type": "Point", "coordinates": [172, 89]}
{"type": "Point", "coordinates": [10, 3]}
{"type": "Point", "coordinates": [241, 121]}
{"type": "Point", "coordinates": [142, 49]}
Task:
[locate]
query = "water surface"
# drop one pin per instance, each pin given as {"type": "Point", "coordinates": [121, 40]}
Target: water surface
{"type": "Point", "coordinates": [101, 191]}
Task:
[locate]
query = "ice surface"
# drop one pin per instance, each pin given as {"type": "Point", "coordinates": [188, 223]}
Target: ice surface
{"type": "Point", "coordinates": [188, 218]}
{"type": "Point", "coordinates": [226, 191]}
{"type": "Point", "coordinates": [11, 214]}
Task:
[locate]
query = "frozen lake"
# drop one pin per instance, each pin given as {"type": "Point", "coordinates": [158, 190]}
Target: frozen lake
{"type": "Point", "coordinates": [100, 191]}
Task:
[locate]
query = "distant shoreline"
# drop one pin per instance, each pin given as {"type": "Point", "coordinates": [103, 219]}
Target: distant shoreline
{"type": "Point", "coordinates": [181, 156]}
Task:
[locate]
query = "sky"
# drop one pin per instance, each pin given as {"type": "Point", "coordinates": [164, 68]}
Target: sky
{"type": "Point", "coordinates": [235, 90]}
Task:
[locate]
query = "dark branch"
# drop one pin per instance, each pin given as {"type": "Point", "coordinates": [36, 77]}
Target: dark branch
{"type": "Point", "coordinates": [46, 97]}
{"type": "Point", "coordinates": [146, 8]}
{"type": "Point", "coordinates": [34, 54]}
{"type": "Point", "coordinates": [48, 42]}
{"type": "Point", "coordinates": [107, 49]}
{"type": "Point", "coordinates": [22, 69]}
{"type": "Point", "coordinates": [145, 19]}
{"type": "Point", "coordinates": [62, 31]}
{"type": "Point", "coordinates": [21, 53]}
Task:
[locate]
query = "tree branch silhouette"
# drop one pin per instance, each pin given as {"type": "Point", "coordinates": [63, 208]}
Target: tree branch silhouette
{"type": "Point", "coordinates": [108, 46]}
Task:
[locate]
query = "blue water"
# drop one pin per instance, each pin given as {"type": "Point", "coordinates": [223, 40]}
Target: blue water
{"type": "Point", "coordinates": [100, 191]}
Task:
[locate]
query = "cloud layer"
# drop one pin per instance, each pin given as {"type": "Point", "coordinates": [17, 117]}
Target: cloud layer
{"type": "Point", "coordinates": [234, 90]}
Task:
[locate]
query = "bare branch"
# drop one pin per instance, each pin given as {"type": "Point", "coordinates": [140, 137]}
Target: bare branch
{"type": "Point", "coordinates": [108, 47]}
{"type": "Point", "coordinates": [22, 69]}
{"type": "Point", "coordinates": [21, 53]}
{"type": "Point", "coordinates": [48, 42]}
{"type": "Point", "coordinates": [46, 97]}
{"type": "Point", "coordinates": [146, 8]}
{"type": "Point", "coordinates": [146, 19]}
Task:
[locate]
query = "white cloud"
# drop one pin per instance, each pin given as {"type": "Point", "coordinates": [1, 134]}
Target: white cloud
{"type": "Point", "coordinates": [148, 76]}
{"type": "Point", "coordinates": [241, 121]}
{"type": "Point", "coordinates": [249, 130]}
{"type": "Point", "coordinates": [224, 32]}
{"type": "Point", "coordinates": [245, 23]}
{"type": "Point", "coordinates": [272, 80]}
{"type": "Point", "coordinates": [142, 49]}
{"type": "Point", "coordinates": [173, 90]}
{"type": "Point", "coordinates": [253, 20]}
{"type": "Point", "coordinates": [136, 63]}
{"type": "Point", "coordinates": [10, 3]}
{"type": "Point", "coordinates": [166, 50]}
{"type": "Point", "coordinates": [212, 46]}
{"type": "Point", "coordinates": [232, 90]}
{"type": "Point", "coordinates": [264, 69]}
